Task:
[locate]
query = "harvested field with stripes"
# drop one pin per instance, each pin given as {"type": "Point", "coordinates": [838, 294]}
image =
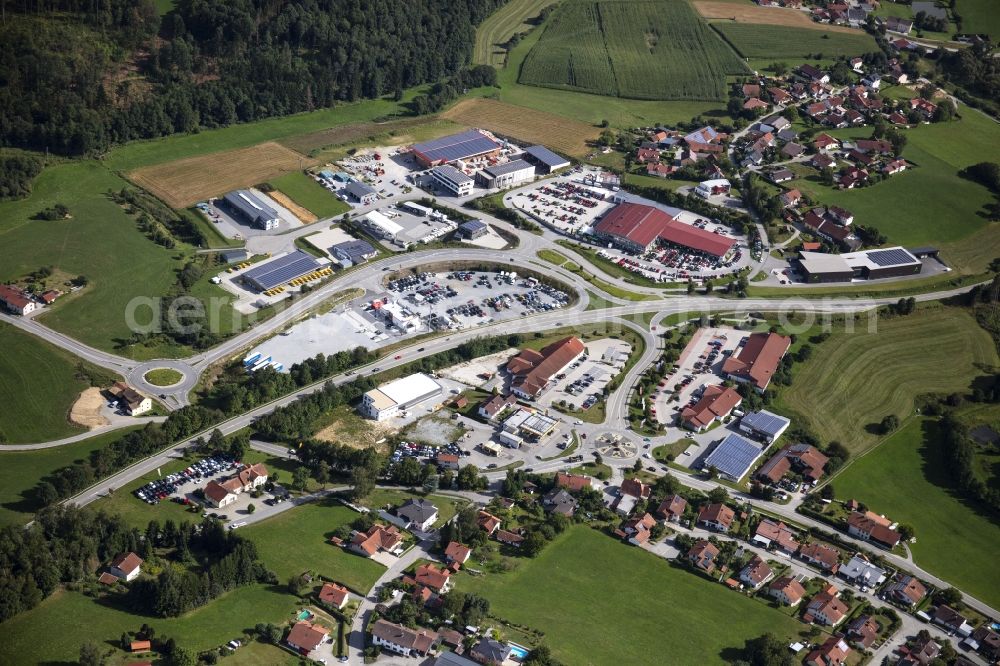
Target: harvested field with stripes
{"type": "Point", "coordinates": [778, 41]}
{"type": "Point", "coordinates": [746, 13]}
{"type": "Point", "coordinates": [494, 34]}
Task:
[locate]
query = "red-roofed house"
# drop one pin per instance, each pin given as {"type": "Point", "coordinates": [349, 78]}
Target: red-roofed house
{"type": "Point", "coordinates": [717, 402]}
{"type": "Point", "coordinates": [532, 370]}
{"type": "Point", "coordinates": [671, 509]}
{"type": "Point", "coordinates": [15, 300]}
{"type": "Point", "coordinates": [334, 595]}
{"type": "Point", "coordinates": [457, 552]}
{"type": "Point", "coordinates": [703, 554]}
{"type": "Point", "coordinates": [572, 482]}
{"type": "Point", "coordinates": [821, 555]}
{"type": "Point", "coordinates": [127, 566]}
{"type": "Point", "coordinates": [787, 590]}
{"type": "Point", "coordinates": [756, 573]}
{"type": "Point", "coordinates": [757, 362]}
{"type": "Point", "coordinates": [833, 652]}
{"type": "Point", "coordinates": [438, 580]}
{"type": "Point", "coordinates": [718, 517]}
{"type": "Point", "coordinates": [378, 538]}
{"type": "Point", "coordinates": [826, 608]}
{"type": "Point", "coordinates": [871, 527]}
{"type": "Point", "coordinates": [306, 637]}
{"type": "Point", "coordinates": [488, 522]}
{"type": "Point", "coordinates": [770, 533]}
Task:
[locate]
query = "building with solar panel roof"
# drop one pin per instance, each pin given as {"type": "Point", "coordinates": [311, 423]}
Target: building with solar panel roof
{"type": "Point", "coordinates": [281, 270]}
{"type": "Point", "coordinates": [764, 425]}
{"type": "Point", "coordinates": [734, 456]}
{"type": "Point", "coordinates": [463, 146]}
{"type": "Point", "coordinates": [865, 265]}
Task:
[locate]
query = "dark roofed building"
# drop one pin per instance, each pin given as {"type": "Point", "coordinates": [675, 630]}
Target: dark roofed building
{"type": "Point", "coordinates": [280, 271]}
{"type": "Point", "coordinates": [253, 210]}
{"type": "Point", "coordinates": [544, 159]}
{"type": "Point", "coordinates": [473, 229]}
{"type": "Point", "coordinates": [462, 146]}
{"type": "Point", "coordinates": [353, 252]}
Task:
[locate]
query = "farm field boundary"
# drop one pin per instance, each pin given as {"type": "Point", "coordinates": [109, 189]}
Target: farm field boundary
{"type": "Point", "coordinates": [778, 41]}
{"type": "Point", "coordinates": [184, 182]}
{"type": "Point", "coordinates": [747, 13]}
{"type": "Point", "coordinates": [496, 31]}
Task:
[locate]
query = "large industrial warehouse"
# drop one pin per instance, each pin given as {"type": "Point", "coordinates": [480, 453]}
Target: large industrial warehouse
{"type": "Point", "coordinates": [543, 158]}
{"type": "Point", "coordinates": [251, 209]}
{"type": "Point", "coordinates": [462, 146]}
{"type": "Point", "coordinates": [390, 399]}
{"type": "Point", "coordinates": [280, 271]}
{"type": "Point", "coordinates": [637, 228]}
{"type": "Point", "coordinates": [866, 265]}
{"type": "Point", "coordinates": [507, 174]}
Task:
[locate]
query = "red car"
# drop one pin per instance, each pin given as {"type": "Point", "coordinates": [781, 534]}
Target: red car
{"type": "Point", "coordinates": [398, 356]}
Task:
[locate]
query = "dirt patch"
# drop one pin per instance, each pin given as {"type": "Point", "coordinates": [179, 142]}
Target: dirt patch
{"type": "Point", "coordinates": [298, 211]}
{"type": "Point", "coordinates": [471, 373]}
{"type": "Point", "coordinates": [86, 411]}
{"type": "Point", "coordinates": [362, 436]}
{"type": "Point", "coordinates": [354, 132]}
{"type": "Point", "coordinates": [526, 125]}
{"type": "Point", "coordinates": [182, 183]}
{"type": "Point", "coordinates": [740, 13]}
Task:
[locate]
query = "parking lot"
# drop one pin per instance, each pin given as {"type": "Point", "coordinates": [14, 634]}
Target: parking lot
{"type": "Point", "coordinates": [700, 364]}
{"type": "Point", "coordinates": [383, 168]}
{"type": "Point", "coordinates": [564, 203]}
{"type": "Point", "coordinates": [582, 384]}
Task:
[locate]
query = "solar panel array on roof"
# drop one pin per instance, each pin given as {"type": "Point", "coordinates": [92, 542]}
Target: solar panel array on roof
{"type": "Point", "coordinates": [508, 167]}
{"type": "Point", "coordinates": [765, 422]}
{"type": "Point", "coordinates": [281, 270]}
{"type": "Point", "coordinates": [892, 257]}
{"type": "Point", "coordinates": [456, 147]}
{"type": "Point", "coordinates": [734, 456]}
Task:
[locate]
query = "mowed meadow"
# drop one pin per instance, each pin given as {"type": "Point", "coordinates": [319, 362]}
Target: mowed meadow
{"type": "Point", "coordinates": [777, 41]}
{"type": "Point", "coordinates": [641, 50]}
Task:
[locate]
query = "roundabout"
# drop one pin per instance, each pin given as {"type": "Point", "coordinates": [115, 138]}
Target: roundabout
{"type": "Point", "coordinates": [163, 377]}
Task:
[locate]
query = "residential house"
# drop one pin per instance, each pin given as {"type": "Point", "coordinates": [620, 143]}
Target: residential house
{"type": "Point", "coordinates": [857, 64]}
{"type": "Point", "coordinates": [779, 96]}
{"type": "Point", "coordinates": [572, 482]}
{"type": "Point", "coordinates": [378, 539]}
{"type": "Point", "coordinates": [447, 461]}
{"type": "Point", "coordinates": [860, 571]}
{"type": "Point", "coordinates": [16, 300]}
{"type": "Point", "coordinates": [756, 573]}
{"type": "Point", "coordinates": [644, 155]}
{"type": "Point", "coordinates": [833, 652]}
{"type": "Point", "coordinates": [821, 161]}
{"type": "Point", "coordinates": [876, 146]}
{"type": "Point", "coordinates": [138, 647]}
{"type": "Point", "coordinates": [924, 107]}
{"type": "Point", "coordinates": [629, 493]}
{"type": "Point", "coordinates": [133, 402]}
{"type": "Point", "coordinates": [509, 538]}
{"type": "Point", "coordinates": [457, 552]}
{"type": "Point", "coordinates": [754, 103]}
{"type": "Point", "coordinates": [823, 556]}
{"type": "Point", "coordinates": [306, 637]}
{"type": "Point", "coordinates": [786, 590]}
{"type": "Point", "coordinates": [803, 459]}
{"type": "Point", "coordinates": [826, 608]}
{"type": "Point", "coordinates": [659, 169]}
{"type": "Point", "coordinates": [703, 555]}
{"type": "Point", "coordinates": [750, 90]}
{"type": "Point", "coordinates": [923, 651]}
{"type": "Point", "coordinates": [716, 403]}
{"type": "Point", "coordinates": [787, 135]}
{"type": "Point", "coordinates": [757, 361]}
{"type": "Point", "coordinates": [872, 527]}
{"type": "Point", "coordinates": [770, 533]}
{"type": "Point", "coordinates": [490, 652]}
{"type": "Point", "coordinates": [813, 74]}
{"type": "Point", "coordinates": [224, 493]}
{"type": "Point", "coordinates": [899, 25]}
{"type": "Point", "coordinates": [671, 509]}
{"type": "Point", "coordinates": [559, 501]}
{"type": "Point", "coordinates": [952, 620]}
{"type": "Point", "coordinates": [487, 521]}
{"type": "Point", "coordinates": [792, 150]}
{"type": "Point", "coordinates": [417, 514]}
{"type": "Point", "coordinates": [790, 198]}
{"type": "Point", "coordinates": [334, 595]}
{"type": "Point", "coordinates": [403, 640]}
{"type": "Point", "coordinates": [637, 530]}
{"type": "Point", "coordinates": [717, 517]}
{"type": "Point", "coordinates": [126, 566]}
{"type": "Point", "coordinates": [894, 167]}
{"type": "Point", "coordinates": [862, 631]}
{"type": "Point", "coordinates": [906, 590]}
{"type": "Point", "coordinates": [428, 575]}
{"type": "Point", "coordinates": [987, 642]}
{"type": "Point", "coordinates": [495, 407]}
{"type": "Point", "coordinates": [782, 175]}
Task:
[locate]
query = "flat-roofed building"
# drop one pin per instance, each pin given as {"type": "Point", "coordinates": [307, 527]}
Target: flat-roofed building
{"type": "Point", "coordinates": [734, 456]}
{"type": "Point", "coordinates": [544, 159]}
{"type": "Point", "coordinates": [380, 225]}
{"type": "Point", "coordinates": [252, 209]}
{"type": "Point", "coordinates": [508, 174]}
{"type": "Point", "coordinates": [281, 270]}
{"type": "Point", "coordinates": [865, 265]}
{"type": "Point", "coordinates": [361, 193]}
{"type": "Point", "coordinates": [452, 180]}
{"type": "Point", "coordinates": [390, 399]}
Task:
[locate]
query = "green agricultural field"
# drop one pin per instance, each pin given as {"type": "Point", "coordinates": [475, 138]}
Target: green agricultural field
{"type": "Point", "coordinates": [296, 541]}
{"type": "Point", "coordinates": [641, 610]}
{"type": "Point", "coordinates": [853, 380]}
{"type": "Point", "coordinates": [39, 382]}
{"type": "Point", "coordinates": [754, 40]}
{"type": "Point", "coordinates": [81, 618]}
{"type": "Point", "coordinates": [980, 16]}
{"type": "Point", "coordinates": [309, 194]}
{"type": "Point", "coordinates": [640, 50]}
{"type": "Point", "coordinates": [21, 470]}
{"type": "Point", "coordinates": [493, 34]}
{"type": "Point", "coordinates": [954, 542]}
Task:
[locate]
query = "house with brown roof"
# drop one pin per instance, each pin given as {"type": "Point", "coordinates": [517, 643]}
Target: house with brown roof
{"type": "Point", "coordinates": [16, 300]}
{"type": "Point", "coordinates": [924, 107]}
{"type": "Point", "coordinates": [823, 556]}
{"type": "Point", "coordinates": [133, 402]}
{"type": "Point", "coordinates": [488, 521]}
{"type": "Point", "coordinates": [717, 517]}
{"type": "Point", "coordinates": [334, 595]}
{"type": "Point", "coordinates": [717, 402]}
{"type": "Point", "coordinates": [803, 459]}
{"type": "Point", "coordinates": [510, 538]}
{"type": "Point", "coordinates": [457, 552]}
{"type": "Point", "coordinates": [987, 642]}
{"type": "Point", "coordinates": [790, 198]}
{"type": "Point", "coordinates": [378, 539]}
{"type": "Point", "coordinates": [894, 167]}
{"type": "Point", "coordinates": [126, 566]}
{"type": "Point", "coordinates": [862, 631]}
{"type": "Point", "coordinates": [833, 652]}
{"type": "Point", "coordinates": [629, 494]}
{"type": "Point", "coordinates": [786, 590]}
{"type": "Point", "coordinates": [826, 608]}
{"type": "Point", "coordinates": [533, 370]}
{"type": "Point", "coordinates": [644, 155]}
{"type": "Point", "coordinates": [403, 640]}
{"type": "Point", "coordinates": [779, 96]}
{"type": "Point", "coordinates": [703, 555]}
{"type": "Point", "coordinates": [758, 360]}
{"type": "Point", "coordinates": [572, 482]}
{"type": "Point", "coordinates": [756, 573]}
{"type": "Point", "coordinates": [952, 620]}
{"type": "Point", "coordinates": [495, 407]}
{"type": "Point", "coordinates": [906, 591]}
{"type": "Point", "coordinates": [637, 530]}
{"type": "Point", "coordinates": [659, 169]}
{"type": "Point", "coordinates": [136, 647]}
{"type": "Point", "coordinates": [306, 637]}
{"type": "Point", "coordinates": [821, 161]}
{"type": "Point", "coordinates": [223, 493]}
{"type": "Point", "coordinates": [770, 533]}
{"type": "Point", "coordinates": [872, 527]}
{"type": "Point", "coordinates": [671, 509]}
{"type": "Point", "coordinates": [428, 575]}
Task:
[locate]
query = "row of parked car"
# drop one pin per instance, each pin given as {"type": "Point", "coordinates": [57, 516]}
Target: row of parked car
{"type": "Point", "coordinates": [154, 491]}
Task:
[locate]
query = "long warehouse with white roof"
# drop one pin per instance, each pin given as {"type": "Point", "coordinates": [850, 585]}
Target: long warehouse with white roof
{"type": "Point", "coordinates": [390, 399]}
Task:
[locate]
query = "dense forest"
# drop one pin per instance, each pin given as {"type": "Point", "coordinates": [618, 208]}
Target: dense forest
{"type": "Point", "coordinates": [79, 76]}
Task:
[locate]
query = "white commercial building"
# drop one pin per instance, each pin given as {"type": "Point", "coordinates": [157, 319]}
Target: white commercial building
{"type": "Point", "coordinates": [390, 399]}
{"type": "Point", "coordinates": [508, 174]}
{"type": "Point", "coordinates": [711, 187]}
{"type": "Point", "coordinates": [452, 180]}
{"type": "Point", "coordinates": [380, 225]}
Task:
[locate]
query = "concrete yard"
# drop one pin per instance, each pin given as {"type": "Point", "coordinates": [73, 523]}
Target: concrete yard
{"type": "Point", "coordinates": [232, 227]}
{"type": "Point", "coordinates": [325, 239]}
{"type": "Point", "coordinates": [605, 359]}
{"type": "Point", "coordinates": [551, 201]}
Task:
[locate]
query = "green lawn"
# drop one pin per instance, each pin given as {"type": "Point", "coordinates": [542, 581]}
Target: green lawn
{"type": "Point", "coordinates": [100, 241]}
{"type": "Point", "coordinates": [163, 376]}
{"type": "Point", "coordinates": [21, 470]}
{"type": "Point", "coordinates": [754, 40]}
{"type": "Point", "coordinates": [39, 383]}
{"type": "Point", "coordinates": [855, 379]}
{"type": "Point", "coordinates": [81, 618]}
{"type": "Point", "coordinates": [980, 16]}
{"type": "Point", "coordinates": [447, 506]}
{"type": "Point", "coordinates": [906, 478]}
{"type": "Point", "coordinates": [600, 601]}
{"type": "Point", "coordinates": [296, 541]}
{"type": "Point", "coordinates": [501, 25]}
{"type": "Point", "coordinates": [309, 194]}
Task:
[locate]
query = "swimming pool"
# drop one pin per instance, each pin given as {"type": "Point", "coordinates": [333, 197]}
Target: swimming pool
{"type": "Point", "coordinates": [518, 652]}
